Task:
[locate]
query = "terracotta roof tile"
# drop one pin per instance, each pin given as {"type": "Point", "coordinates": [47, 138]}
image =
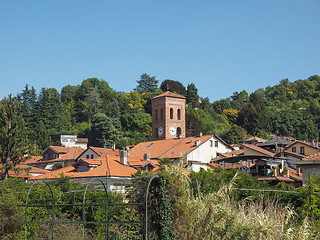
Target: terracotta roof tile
{"type": "Point", "coordinates": [110, 164]}
{"type": "Point", "coordinates": [312, 157]}
{"type": "Point", "coordinates": [105, 151]}
{"type": "Point", "coordinates": [280, 179]}
{"type": "Point", "coordinates": [232, 153]}
{"type": "Point", "coordinates": [32, 159]}
{"type": "Point", "coordinates": [25, 171]}
{"type": "Point", "coordinates": [168, 94]}
{"type": "Point", "coordinates": [172, 148]}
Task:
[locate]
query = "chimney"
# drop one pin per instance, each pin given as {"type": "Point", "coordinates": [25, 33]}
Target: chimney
{"type": "Point", "coordinates": [200, 134]}
{"type": "Point", "coordinates": [146, 156]}
{"type": "Point", "coordinates": [197, 143]}
{"type": "Point", "coordinates": [123, 157]}
{"type": "Point", "coordinates": [288, 173]}
{"type": "Point", "coordinates": [298, 171]}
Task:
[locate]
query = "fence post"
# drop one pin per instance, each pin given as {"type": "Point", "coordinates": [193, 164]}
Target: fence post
{"type": "Point", "coordinates": [26, 210]}
{"type": "Point", "coordinates": [146, 207]}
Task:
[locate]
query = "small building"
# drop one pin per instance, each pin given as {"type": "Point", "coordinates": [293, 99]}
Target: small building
{"type": "Point", "coordinates": [195, 152]}
{"type": "Point", "coordinates": [73, 141]}
{"type": "Point", "coordinates": [310, 166]}
{"type": "Point", "coordinates": [55, 157]}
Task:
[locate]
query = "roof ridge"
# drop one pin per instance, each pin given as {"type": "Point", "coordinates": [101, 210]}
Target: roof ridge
{"type": "Point", "coordinates": [171, 148]}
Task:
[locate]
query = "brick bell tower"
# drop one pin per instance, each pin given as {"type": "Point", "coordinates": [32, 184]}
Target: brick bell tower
{"type": "Point", "coordinates": [168, 116]}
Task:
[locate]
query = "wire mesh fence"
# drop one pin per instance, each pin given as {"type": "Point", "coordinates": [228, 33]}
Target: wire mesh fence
{"type": "Point", "coordinates": [42, 211]}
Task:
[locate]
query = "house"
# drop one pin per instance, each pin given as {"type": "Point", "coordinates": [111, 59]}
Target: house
{"type": "Point", "coordinates": [302, 148]}
{"type": "Point", "coordinates": [95, 152]}
{"type": "Point", "coordinates": [196, 152]}
{"type": "Point", "coordinates": [117, 167]}
{"type": "Point", "coordinates": [254, 140]}
{"type": "Point", "coordinates": [73, 141]}
{"type": "Point", "coordinates": [276, 144]}
{"type": "Point", "coordinates": [310, 166]}
{"type": "Point", "coordinates": [260, 162]}
{"type": "Point", "coordinates": [24, 171]}
{"type": "Point", "coordinates": [55, 157]}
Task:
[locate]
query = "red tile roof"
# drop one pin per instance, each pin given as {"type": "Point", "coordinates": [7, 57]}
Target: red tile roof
{"type": "Point", "coordinates": [312, 157]}
{"type": "Point", "coordinates": [110, 164]}
{"type": "Point", "coordinates": [280, 179]}
{"type": "Point", "coordinates": [24, 171]}
{"type": "Point", "coordinates": [172, 148]}
{"type": "Point", "coordinates": [232, 153]}
{"type": "Point", "coordinates": [168, 94]}
{"type": "Point", "coordinates": [105, 151]}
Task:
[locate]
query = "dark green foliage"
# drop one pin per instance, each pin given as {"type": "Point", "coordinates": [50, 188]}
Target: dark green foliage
{"type": "Point", "coordinates": [192, 97]}
{"type": "Point", "coordinates": [137, 126]}
{"type": "Point", "coordinates": [41, 137]}
{"type": "Point", "coordinates": [221, 104]}
{"type": "Point", "coordinates": [288, 108]}
{"type": "Point", "coordinates": [105, 131]}
{"type": "Point", "coordinates": [234, 135]}
{"type": "Point", "coordinates": [14, 192]}
{"type": "Point", "coordinates": [146, 84]}
{"type": "Point", "coordinates": [173, 86]}
{"type": "Point", "coordinates": [13, 134]}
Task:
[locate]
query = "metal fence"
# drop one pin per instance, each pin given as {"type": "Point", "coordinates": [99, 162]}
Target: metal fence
{"type": "Point", "coordinates": [83, 222]}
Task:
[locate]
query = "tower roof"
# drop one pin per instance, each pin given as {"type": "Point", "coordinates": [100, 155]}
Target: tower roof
{"type": "Point", "coordinates": [169, 94]}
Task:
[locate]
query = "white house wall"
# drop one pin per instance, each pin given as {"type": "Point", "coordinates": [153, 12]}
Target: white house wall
{"type": "Point", "coordinates": [205, 152]}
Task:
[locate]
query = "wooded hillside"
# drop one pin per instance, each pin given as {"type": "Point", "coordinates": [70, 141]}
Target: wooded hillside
{"type": "Point", "coordinates": [94, 110]}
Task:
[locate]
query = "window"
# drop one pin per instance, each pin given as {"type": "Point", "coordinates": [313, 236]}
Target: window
{"type": "Point", "coordinates": [178, 132]}
{"type": "Point", "coordinates": [87, 156]}
{"type": "Point", "coordinates": [211, 143]}
{"type": "Point", "coordinates": [294, 149]}
{"type": "Point", "coordinates": [161, 114]}
{"type": "Point", "coordinates": [216, 144]}
{"type": "Point", "coordinates": [91, 156]}
{"type": "Point", "coordinates": [157, 114]}
{"type": "Point", "coordinates": [302, 150]}
{"type": "Point", "coordinates": [83, 168]}
{"type": "Point", "coordinates": [179, 114]}
{"type": "Point", "coordinates": [171, 113]}
{"type": "Point", "coordinates": [64, 140]}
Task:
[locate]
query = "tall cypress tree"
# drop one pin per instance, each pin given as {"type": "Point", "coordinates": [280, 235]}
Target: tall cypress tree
{"type": "Point", "coordinates": [12, 134]}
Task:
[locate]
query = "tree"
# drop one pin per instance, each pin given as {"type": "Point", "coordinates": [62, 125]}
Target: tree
{"type": "Point", "coordinates": [28, 101]}
{"type": "Point", "coordinates": [41, 136]}
{"type": "Point", "coordinates": [134, 101]}
{"type": "Point", "coordinates": [105, 130]}
{"type": "Point", "coordinates": [12, 134]}
{"type": "Point", "coordinates": [235, 135]}
{"type": "Point", "coordinates": [146, 84]}
{"type": "Point", "coordinates": [173, 86]}
{"type": "Point", "coordinates": [192, 96]}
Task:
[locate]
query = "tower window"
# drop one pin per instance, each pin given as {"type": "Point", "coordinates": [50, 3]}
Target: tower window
{"type": "Point", "coordinates": [171, 113]}
{"type": "Point", "coordinates": [157, 114]}
{"type": "Point", "coordinates": [161, 114]}
{"type": "Point", "coordinates": [179, 114]}
{"type": "Point", "coordinates": [178, 131]}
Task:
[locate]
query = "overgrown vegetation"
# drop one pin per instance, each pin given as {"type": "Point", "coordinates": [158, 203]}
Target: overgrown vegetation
{"type": "Point", "coordinates": [182, 205]}
{"type": "Point", "coordinates": [205, 206]}
{"type": "Point", "coordinates": [68, 219]}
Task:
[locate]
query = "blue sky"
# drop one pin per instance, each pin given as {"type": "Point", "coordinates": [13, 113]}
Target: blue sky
{"type": "Point", "coordinates": [220, 46]}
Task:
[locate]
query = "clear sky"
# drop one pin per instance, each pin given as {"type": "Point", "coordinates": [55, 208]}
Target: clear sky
{"type": "Point", "coordinates": [220, 46]}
